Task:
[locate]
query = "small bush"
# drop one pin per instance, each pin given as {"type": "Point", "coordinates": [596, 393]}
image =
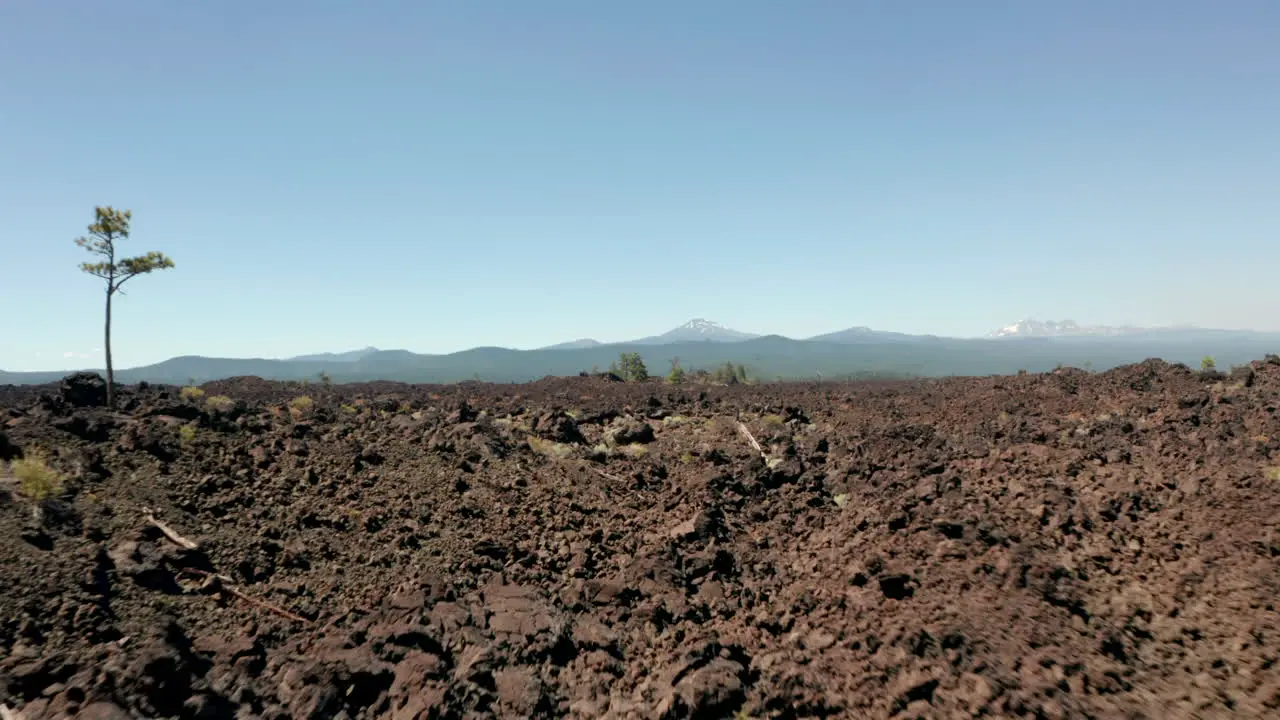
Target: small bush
{"type": "Point", "coordinates": [1208, 364]}
{"type": "Point", "coordinates": [677, 374]}
{"type": "Point", "coordinates": [299, 406]}
{"type": "Point", "coordinates": [773, 421]}
{"type": "Point", "coordinates": [36, 479]}
{"type": "Point", "coordinates": [548, 448]}
{"type": "Point", "coordinates": [186, 434]}
{"type": "Point", "coordinates": [220, 403]}
{"type": "Point", "coordinates": [730, 374]}
{"type": "Point", "coordinates": [191, 392]}
{"type": "Point", "coordinates": [634, 450]}
{"type": "Point", "coordinates": [349, 409]}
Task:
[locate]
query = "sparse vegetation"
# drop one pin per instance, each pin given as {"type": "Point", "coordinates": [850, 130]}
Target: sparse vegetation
{"type": "Point", "coordinates": [730, 374]}
{"type": "Point", "coordinates": [1208, 364]}
{"type": "Point", "coordinates": [300, 406]}
{"type": "Point", "coordinates": [633, 450]}
{"type": "Point", "coordinates": [655, 492]}
{"type": "Point", "coordinates": [109, 226]}
{"type": "Point", "coordinates": [547, 448]}
{"type": "Point", "coordinates": [220, 403]}
{"type": "Point", "coordinates": [630, 367]}
{"type": "Point", "coordinates": [191, 393]}
{"type": "Point", "coordinates": [37, 481]}
{"type": "Point", "coordinates": [676, 376]}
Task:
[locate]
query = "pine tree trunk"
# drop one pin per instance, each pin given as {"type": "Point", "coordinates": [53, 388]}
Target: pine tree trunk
{"type": "Point", "coordinates": [111, 375]}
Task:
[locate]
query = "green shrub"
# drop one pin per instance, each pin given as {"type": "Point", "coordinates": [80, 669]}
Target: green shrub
{"type": "Point", "coordinates": [1208, 364]}
{"type": "Point", "coordinates": [186, 434]}
{"type": "Point", "coordinates": [299, 406]}
{"type": "Point", "coordinates": [36, 479]}
{"type": "Point", "coordinates": [631, 367]}
{"type": "Point", "coordinates": [730, 374]}
{"type": "Point", "coordinates": [191, 392]}
{"type": "Point", "coordinates": [220, 403]}
{"type": "Point", "coordinates": [676, 376]}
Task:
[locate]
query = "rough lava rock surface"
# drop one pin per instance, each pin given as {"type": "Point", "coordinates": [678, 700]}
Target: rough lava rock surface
{"type": "Point", "coordinates": [1044, 546]}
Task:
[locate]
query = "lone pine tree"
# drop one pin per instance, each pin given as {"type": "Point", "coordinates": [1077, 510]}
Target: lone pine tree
{"type": "Point", "coordinates": [111, 225]}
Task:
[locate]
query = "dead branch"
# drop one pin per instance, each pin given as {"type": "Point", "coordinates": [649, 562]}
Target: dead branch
{"type": "Point", "coordinates": [742, 428]}
{"type": "Point", "coordinates": [225, 586]}
{"type": "Point", "coordinates": [172, 534]}
{"type": "Point", "coordinates": [607, 476]}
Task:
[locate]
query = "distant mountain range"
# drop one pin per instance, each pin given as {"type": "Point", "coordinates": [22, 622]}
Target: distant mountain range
{"type": "Point", "coordinates": [349, 356]}
{"type": "Point", "coordinates": [696, 330]}
{"type": "Point", "coordinates": [1063, 328]}
{"type": "Point", "coordinates": [858, 351]}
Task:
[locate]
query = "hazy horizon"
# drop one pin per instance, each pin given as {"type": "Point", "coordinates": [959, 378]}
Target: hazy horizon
{"type": "Point", "coordinates": [333, 176]}
{"type": "Point", "coordinates": [73, 361]}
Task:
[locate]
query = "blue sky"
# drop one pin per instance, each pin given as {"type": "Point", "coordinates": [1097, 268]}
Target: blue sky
{"type": "Point", "coordinates": [436, 176]}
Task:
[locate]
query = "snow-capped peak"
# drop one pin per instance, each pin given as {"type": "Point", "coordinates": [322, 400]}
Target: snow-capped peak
{"type": "Point", "coordinates": [696, 330]}
{"type": "Point", "coordinates": [1038, 328]}
{"type": "Point", "coordinates": [1057, 328]}
{"type": "Point", "coordinates": [705, 327]}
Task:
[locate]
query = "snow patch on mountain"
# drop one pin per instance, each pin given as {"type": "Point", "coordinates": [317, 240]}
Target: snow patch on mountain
{"type": "Point", "coordinates": [1059, 328]}
{"type": "Point", "coordinates": [697, 329]}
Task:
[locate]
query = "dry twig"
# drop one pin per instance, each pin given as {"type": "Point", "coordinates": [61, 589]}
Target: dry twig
{"type": "Point", "coordinates": [742, 428]}
{"type": "Point", "coordinates": [172, 534]}
{"type": "Point", "coordinates": [231, 590]}
{"type": "Point", "coordinates": [607, 476]}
